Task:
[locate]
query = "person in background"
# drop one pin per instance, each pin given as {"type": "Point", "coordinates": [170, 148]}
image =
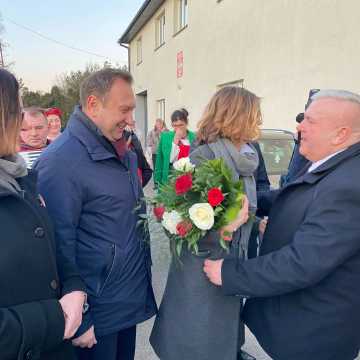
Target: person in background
{"type": "Point", "coordinates": [54, 119]}
{"type": "Point", "coordinates": [134, 144]}
{"type": "Point", "coordinates": [173, 145]}
{"type": "Point", "coordinates": [40, 308]}
{"type": "Point", "coordinates": [90, 182]}
{"type": "Point", "coordinates": [33, 134]}
{"type": "Point", "coordinates": [153, 138]}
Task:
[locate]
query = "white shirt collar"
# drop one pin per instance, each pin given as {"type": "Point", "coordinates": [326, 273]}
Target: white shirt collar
{"type": "Point", "coordinates": [316, 164]}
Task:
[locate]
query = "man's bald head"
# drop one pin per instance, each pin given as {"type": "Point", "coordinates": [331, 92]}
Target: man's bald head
{"type": "Point", "coordinates": [331, 123]}
{"type": "Point", "coordinates": [347, 109]}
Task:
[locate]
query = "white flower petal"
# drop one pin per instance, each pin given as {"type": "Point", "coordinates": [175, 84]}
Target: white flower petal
{"type": "Point", "coordinates": [202, 215]}
{"type": "Point", "coordinates": [183, 164]}
{"type": "Point", "coordinates": [170, 221]}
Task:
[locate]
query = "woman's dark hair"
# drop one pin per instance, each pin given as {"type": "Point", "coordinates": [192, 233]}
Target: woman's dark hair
{"type": "Point", "coordinates": [181, 114]}
{"type": "Point", "coordinates": [10, 113]}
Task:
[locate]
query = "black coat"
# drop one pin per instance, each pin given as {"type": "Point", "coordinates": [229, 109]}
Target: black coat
{"type": "Point", "coordinates": [305, 284]}
{"type": "Point", "coordinates": [260, 175]}
{"type": "Point", "coordinates": [31, 318]}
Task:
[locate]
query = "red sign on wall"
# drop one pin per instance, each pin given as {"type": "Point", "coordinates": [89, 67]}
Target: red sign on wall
{"type": "Point", "coordinates": [179, 64]}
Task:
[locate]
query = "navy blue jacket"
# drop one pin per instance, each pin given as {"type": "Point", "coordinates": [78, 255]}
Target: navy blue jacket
{"type": "Point", "coordinates": [305, 284]}
{"type": "Point", "coordinates": [91, 196]}
{"type": "Point", "coordinates": [297, 163]}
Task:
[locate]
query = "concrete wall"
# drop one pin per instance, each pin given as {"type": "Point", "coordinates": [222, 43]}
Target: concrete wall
{"type": "Point", "coordinates": [281, 48]}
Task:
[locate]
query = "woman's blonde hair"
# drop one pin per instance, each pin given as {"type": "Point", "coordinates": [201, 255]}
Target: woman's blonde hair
{"type": "Point", "coordinates": [10, 113]}
{"type": "Point", "coordinates": [233, 113]}
{"type": "Point", "coordinates": [163, 124]}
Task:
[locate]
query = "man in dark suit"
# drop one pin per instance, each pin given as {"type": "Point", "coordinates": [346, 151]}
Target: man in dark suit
{"type": "Point", "coordinates": [303, 289]}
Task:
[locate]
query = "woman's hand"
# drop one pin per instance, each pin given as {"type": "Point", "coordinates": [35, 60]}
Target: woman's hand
{"type": "Point", "coordinates": [242, 218]}
{"type": "Point", "coordinates": [72, 306]}
{"type": "Point", "coordinates": [180, 134]}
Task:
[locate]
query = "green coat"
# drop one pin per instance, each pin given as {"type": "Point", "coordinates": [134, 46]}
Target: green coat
{"type": "Point", "coordinates": [163, 155]}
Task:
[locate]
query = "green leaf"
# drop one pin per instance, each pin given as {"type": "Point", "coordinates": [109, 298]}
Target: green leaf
{"type": "Point", "coordinates": [179, 248]}
{"type": "Point", "coordinates": [223, 244]}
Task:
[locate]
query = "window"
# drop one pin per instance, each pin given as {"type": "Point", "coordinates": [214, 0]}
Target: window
{"type": "Point", "coordinates": [161, 109]}
{"type": "Point", "coordinates": [277, 148]}
{"type": "Point", "coordinates": [139, 51]}
{"type": "Point", "coordinates": [181, 14]}
{"type": "Point", "coordinates": [239, 83]}
{"type": "Point", "coordinates": [160, 30]}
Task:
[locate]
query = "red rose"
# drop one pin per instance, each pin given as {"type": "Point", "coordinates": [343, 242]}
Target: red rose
{"type": "Point", "coordinates": [183, 228]}
{"type": "Point", "coordinates": [159, 212]}
{"type": "Point", "coordinates": [215, 197]}
{"type": "Point", "coordinates": [183, 184]}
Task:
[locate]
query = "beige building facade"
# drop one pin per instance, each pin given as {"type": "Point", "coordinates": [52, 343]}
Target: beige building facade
{"type": "Point", "coordinates": [182, 51]}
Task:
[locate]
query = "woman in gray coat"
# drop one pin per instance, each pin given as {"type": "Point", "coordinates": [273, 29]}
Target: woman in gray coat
{"type": "Point", "coordinates": [195, 320]}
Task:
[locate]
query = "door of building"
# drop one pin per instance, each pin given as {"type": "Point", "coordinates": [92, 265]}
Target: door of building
{"type": "Point", "coordinates": [141, 118]}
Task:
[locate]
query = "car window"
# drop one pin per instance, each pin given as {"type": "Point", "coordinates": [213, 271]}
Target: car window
{"type": "Point", "coordinates": [277, 154]}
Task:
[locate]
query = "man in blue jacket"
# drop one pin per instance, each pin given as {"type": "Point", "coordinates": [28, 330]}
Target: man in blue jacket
{"type": "Point", "coordinates": [304, 288]}
{"type": "Point", "coordinates": [90, 184]}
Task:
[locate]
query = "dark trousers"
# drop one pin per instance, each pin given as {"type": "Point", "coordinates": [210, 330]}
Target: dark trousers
{"type": "Point", "coordinates": [117, 346]}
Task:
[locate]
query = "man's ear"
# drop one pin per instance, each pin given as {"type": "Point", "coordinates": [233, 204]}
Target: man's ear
{"type": "Point", "coordinates": [342, 136]}
{"type": "Point", "coordinates": [92, 105]}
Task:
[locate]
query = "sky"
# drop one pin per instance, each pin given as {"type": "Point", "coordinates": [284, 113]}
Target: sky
{"type": "Point", "coordinates": [90, 25]}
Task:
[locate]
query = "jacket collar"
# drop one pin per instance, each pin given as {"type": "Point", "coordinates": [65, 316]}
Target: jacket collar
{"type": "Point", "coordinates": [328, 166]}
{"type": "Point", "coordinates": [89, 135]}
{"type": "Point", "coordinates": [27, 183]}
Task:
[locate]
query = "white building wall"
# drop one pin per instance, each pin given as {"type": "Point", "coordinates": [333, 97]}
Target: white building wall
{"type": "Point", "coordinates": [281, 48]}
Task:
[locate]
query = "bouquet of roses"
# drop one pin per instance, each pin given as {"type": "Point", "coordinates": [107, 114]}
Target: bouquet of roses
{"type": "Point", "coordinates": [197, 200]}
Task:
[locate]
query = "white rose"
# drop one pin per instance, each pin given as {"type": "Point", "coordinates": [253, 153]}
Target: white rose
{"type": "Point", "coordinates": [170, 220]}
{"type": "Point", "coordinates": [202, 215]}
{"type": "Point", "coordinates": [183, 164]}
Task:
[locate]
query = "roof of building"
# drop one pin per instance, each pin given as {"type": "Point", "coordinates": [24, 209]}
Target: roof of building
{"type": "Point", "coordinates": [147, 10]}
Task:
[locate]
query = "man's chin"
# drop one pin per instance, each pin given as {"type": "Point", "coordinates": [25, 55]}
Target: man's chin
{"type": "Point", "coordinates": [36, 146]}
{"type": "Point", "coordinates": [118, 136]}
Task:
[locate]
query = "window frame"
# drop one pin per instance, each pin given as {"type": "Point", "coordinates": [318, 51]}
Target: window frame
{"type": "Point", "coordinates": [139, 57]}
{"type": "Point", "coordinates": [160, 30]}
{"type": "Point", "coordinates": [181, 15]}
{"type": "Point", "coordinates": [239, 83]}
{"type": "Point", "coordinates": [160, 104]}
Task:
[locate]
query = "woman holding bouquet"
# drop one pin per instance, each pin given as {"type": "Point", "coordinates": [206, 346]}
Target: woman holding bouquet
{"type": "Point", "coordinates": [195, 320]}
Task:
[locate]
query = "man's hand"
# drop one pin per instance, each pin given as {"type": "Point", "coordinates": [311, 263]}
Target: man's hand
{"type": "Point", "coordinates": [86, 340]}
{"type": "Point", "coordinates": [72, 306]}
{"type": "Point", "coordinates": [212, 269]}
{"type": "Point", "coordinates": [262, 226]}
